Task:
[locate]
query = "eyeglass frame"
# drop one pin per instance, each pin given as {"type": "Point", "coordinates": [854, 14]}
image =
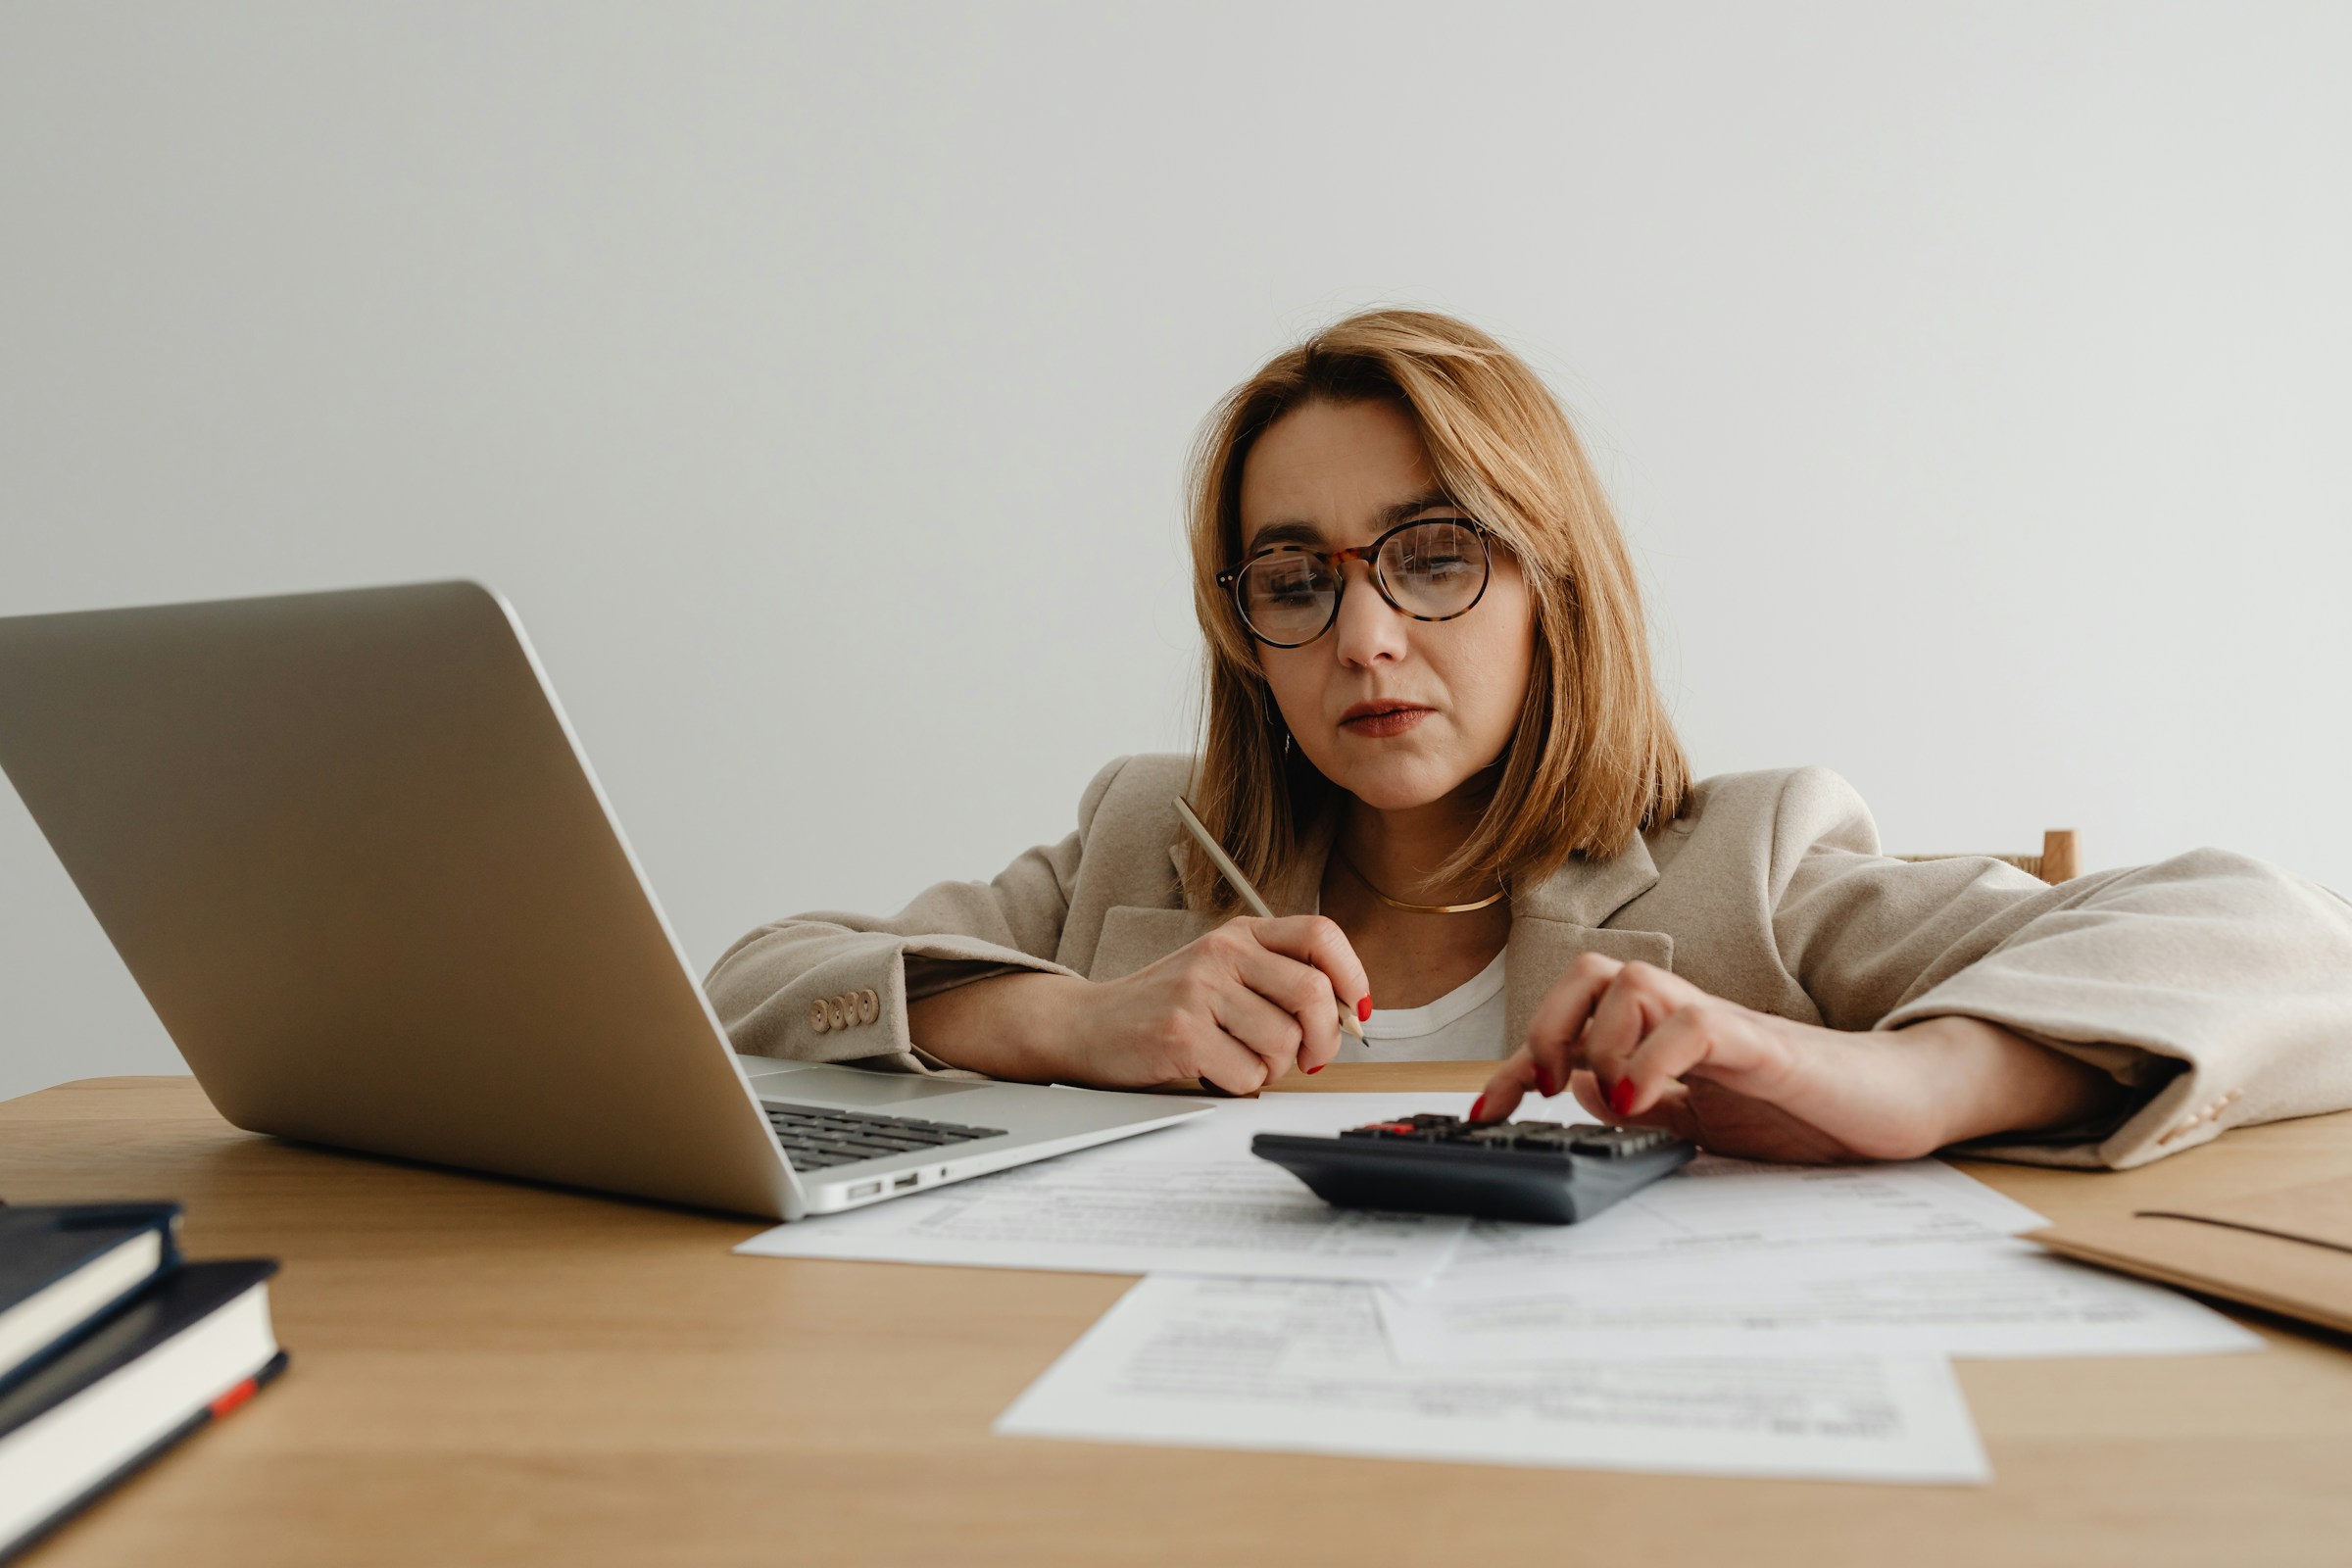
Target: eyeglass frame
{"type": "Point", "coordinates": [1230, 578]}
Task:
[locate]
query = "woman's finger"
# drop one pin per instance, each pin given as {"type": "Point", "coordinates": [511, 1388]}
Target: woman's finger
{"type": "Point", "coordinates": [1619, 1023]}
{"type": "Point", "coordinates": [1316, 940]}
{"type": "Point", "coordinates": [1303, 991]}
{"type": "Point", "coordinates": [1561, 1017]}
{"type": "Point", "coordinates": [1503, 1091]}
{"type": "Point", "coordinates": [1716, 1040]}
{"type": "Point", "coordinates": [1684, 1041]}
{"type": "Point", "coordinates": [1670, 1110]}
{"type": "Point", "coordinates": [1620, 1019]}
{"type": "Point", "coordinates": [1587, 1090]}
{"type": "Point", "coordinates": [1220, 1059]}
{"type": "Point", "coordinates": [1266, 1031]}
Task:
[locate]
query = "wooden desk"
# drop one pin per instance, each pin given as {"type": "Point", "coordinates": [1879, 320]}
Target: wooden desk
{"type": "Point", "coordinates": [493, 1373]}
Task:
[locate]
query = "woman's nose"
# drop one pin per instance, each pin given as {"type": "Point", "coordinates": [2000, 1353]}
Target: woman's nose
{"type": "Point", "coordinates": [1369, 628]}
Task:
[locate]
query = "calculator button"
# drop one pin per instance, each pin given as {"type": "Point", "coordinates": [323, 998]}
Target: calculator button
{"type": "Point", "coordinates": [1616, 1143]}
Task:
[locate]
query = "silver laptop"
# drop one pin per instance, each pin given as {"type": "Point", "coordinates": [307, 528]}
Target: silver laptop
{"type": "Point", "coordinates": [352, 851]}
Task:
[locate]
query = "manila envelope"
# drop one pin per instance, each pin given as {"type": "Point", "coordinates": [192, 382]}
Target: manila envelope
{"type": "Point", "coordinates": [2288, 1251]}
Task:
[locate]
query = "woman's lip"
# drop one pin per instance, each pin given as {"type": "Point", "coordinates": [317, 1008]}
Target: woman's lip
{"type": "Point", "coordinates": [1385, 721]}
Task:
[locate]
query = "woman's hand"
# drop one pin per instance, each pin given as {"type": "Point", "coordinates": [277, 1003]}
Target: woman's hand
{"type": "Point", "coordinates": [1237, 1009]}
{"type": "Point", "coordinates": [1636, 1044]}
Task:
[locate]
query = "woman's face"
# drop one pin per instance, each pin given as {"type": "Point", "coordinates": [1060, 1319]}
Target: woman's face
{"type": "Point", "coordinates": [1399, 712]}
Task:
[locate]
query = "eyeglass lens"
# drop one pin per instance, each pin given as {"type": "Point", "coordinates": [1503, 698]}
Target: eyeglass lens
{"type": "Point", "coordinates": [1433, 569]}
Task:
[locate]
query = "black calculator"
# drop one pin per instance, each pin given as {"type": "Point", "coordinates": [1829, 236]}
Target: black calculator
{"type": "Point", "coordinates": [1544, 1171]}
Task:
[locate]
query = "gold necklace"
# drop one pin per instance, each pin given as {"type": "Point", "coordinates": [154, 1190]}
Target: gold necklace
{"type": "Point", "coordinates": [1490, 899]}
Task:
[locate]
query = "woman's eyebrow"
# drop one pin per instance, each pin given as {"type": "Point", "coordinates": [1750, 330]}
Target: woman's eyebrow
{"type": "Point", "coordinates": [1389, 516]}
{"type": "Point", "coordinates": [1286, 533]}
{"type": "Point", "coordinates": [1306, 534]}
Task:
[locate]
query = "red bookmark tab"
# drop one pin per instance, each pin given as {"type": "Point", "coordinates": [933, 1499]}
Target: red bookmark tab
{"type": "Point", "coordinates": [233, 1398]}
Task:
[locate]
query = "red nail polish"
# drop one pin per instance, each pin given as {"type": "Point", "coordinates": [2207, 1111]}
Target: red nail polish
{"type": "Point", "coordinates": [1621, 1098]}
{"type": "Point", "coordinates": [1319, 1067]}
{"type": "Point", "coordinates": [1363, 1010]}
{"type": "Point", "coordinates": [1543, 1082]}
{"type": "Point", "coordinates": [1478, 1109]}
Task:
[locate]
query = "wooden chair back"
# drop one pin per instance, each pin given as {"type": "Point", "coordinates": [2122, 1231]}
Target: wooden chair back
{"type": "Point", "coordinates": [2058, 861]}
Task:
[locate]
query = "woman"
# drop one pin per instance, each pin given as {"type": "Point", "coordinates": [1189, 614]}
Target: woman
{"type": "Point", "coordinates": [1435, 742]}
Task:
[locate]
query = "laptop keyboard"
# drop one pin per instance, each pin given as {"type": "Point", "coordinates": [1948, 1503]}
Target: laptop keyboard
{"type": "Point", "coordinates": [814, 1137]}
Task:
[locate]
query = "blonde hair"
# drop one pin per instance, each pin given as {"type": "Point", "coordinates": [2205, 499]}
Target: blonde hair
{"type": "Point", "coordinates": [1594, 760]}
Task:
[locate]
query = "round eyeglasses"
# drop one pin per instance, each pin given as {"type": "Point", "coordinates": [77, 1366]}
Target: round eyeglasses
{"type": "Point", "coordinates": [1431, 569]}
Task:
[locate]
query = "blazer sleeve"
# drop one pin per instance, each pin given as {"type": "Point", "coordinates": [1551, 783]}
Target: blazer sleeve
{"type": "Point", "coordinates": [2218, 987]}
{"type": "Point", "coordinates": [834, 987]}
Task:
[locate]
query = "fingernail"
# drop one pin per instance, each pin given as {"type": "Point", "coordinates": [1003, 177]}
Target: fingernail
{"type": "Point", "coordinates": [1621, 1098]}
{"type": "Point", "coordinates": [1363, 1010]}
{"type": "Point", "coordinates": [1545, 1083]}
{"type": "Point", "coordinates": [1478, 1109]}
{"type": "Point", "coordinates": [1318, 1067]}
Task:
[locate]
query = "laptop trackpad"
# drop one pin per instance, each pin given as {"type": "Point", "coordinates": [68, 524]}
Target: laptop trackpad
{"type": "Point", "coordinates": [851, 1086]}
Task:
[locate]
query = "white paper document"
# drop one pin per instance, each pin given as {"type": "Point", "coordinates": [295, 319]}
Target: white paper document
{"type": "Point", "coordinates": [1304, 1366]}
{"type": "Point", "coordinates": [1716, 1207]}
{"type": "Point", "coordinates": [1991, 1298]}
{"type": "Point", "coordinates": [1190, 1199]}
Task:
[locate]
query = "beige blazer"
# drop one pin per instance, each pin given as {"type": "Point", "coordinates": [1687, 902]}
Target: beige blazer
{"type": "Point", "coordinates": [2218, 987]}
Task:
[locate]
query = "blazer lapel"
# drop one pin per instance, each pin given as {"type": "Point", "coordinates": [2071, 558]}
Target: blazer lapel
{"type": "Point", "coordinates": [1135, 936]}
{"type": "Point", "coordinates": [1557, 919]}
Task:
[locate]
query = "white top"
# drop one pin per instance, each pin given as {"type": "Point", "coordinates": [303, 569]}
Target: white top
{"type": "Point", "coordinates": [1465, 1024]}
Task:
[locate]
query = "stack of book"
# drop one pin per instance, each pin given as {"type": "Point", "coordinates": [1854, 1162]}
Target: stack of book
{"type": "Point", "coordinates": [111, 1350]}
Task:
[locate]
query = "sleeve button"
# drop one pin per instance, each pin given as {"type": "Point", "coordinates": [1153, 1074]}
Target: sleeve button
{"type": "Point", "coordinates": [817, 1020]}
{"type": "Point", "coordinates": [869, 1006]}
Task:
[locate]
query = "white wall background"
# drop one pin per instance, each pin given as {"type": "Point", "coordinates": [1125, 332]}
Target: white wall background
{"type": "Point", "coordinates": [817, 379]}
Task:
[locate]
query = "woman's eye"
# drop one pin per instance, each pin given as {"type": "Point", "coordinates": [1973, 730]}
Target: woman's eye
{"type": "Point", "coordinates": [1291, 586]}
{"type": "Point", "coordinates": [1436, 546]}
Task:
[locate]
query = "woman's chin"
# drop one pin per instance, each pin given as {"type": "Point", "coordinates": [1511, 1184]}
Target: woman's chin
{"type": "Point", "coordinates": [1400, 783]}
